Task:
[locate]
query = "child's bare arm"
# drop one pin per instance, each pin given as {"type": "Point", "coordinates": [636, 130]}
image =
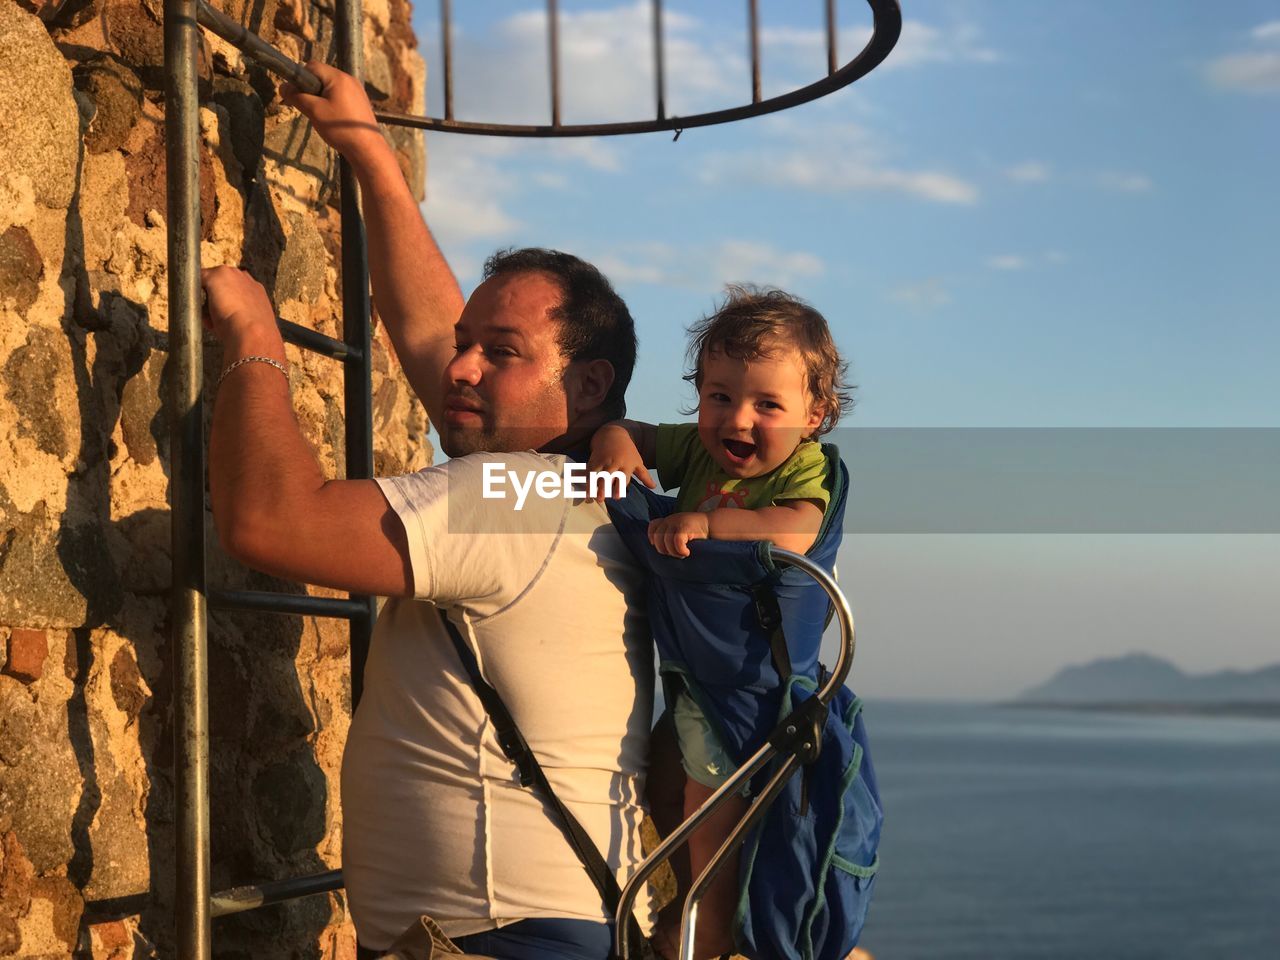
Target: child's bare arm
{"type": "Point", "coordinates": [792, 525]}
{"type": "Point", "coordinates": [628, 446]}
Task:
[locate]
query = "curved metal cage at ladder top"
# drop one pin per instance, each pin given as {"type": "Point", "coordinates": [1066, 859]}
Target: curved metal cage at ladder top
{"type": "Point", "coordinates": [886, 28]}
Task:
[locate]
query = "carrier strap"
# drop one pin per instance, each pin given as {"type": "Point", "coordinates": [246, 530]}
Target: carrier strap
{"type": "Point", "coordinates": [517, 750]}
{"type": "Point", "coordinates": [769, 613]}
{"type": "Point", "coordinates": [770, 616]}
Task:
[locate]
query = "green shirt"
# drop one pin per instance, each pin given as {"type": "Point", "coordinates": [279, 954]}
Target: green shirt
{"type": "Point", "coordinates": [684, 462]}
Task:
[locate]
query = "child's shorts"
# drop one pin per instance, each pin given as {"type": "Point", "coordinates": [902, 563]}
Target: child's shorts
{"type": "Point", "coordinates": [703, 757]}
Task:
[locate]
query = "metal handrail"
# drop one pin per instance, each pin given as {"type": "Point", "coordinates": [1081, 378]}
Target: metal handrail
{"type": "Point", "coordinates": [791, 739]}
{"type": "Point", "coordinates": [886, 29]}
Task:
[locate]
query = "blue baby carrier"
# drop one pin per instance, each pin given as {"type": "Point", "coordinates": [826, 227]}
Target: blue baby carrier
{"type": "Point", "coordinates": [741, 633]}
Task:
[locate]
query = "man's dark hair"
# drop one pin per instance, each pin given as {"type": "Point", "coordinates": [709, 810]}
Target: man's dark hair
{"type": "Point", "coordinates": [595, 323]}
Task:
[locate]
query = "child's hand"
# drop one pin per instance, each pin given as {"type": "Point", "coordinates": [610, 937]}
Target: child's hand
{"type": "Point", "coordinates": [671, 535]}
{"type": "Point", "coordinates": [613, 449]}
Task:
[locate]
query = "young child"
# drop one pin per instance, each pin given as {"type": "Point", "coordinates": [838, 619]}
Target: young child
{"type": "Point", "coordinates": [769, 380]}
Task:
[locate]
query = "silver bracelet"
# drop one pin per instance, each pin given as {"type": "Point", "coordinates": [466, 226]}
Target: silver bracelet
{"type": "Point", "coordinates": [243, 360]}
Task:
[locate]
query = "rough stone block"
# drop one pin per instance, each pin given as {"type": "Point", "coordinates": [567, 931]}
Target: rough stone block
{"type": "Point", "coordinates": [110, 941]}
{"type": "Point", "coordinates": [134, 30]}
{"type": "Point", "coordinates": [57, 578]}
{"type": "Point", "coordinates": [127, 686]}
{"type": "Point", "coordinates": [290, 798]}
{"type": "Point", "coordinates": [20, 268]}
{"type": "Point", "coordinates": [10, 936]}
{"type": "Point", "coordinates": [39, 125]}
{"type": "Point", "coordinates": [40, 779]}
{"type": "Point", "coordinates": [147, 186]}
{"type": "Point", "coordinates": [121, 855]}
{"type": "Point", "coordinates": [29, 373]}
{"type": "Point", "coordinates": [142, 416]}
{"type": "Point", "coordinates": [67, 907]}
{"type": "Point", "coordinates": [116, 93]}
{"type": "Point", "coordinates": [27, 652]}
{"type": "Point", "coordinates": [300, 274]}
{"type": "Point", "coordinates": [16, 875]}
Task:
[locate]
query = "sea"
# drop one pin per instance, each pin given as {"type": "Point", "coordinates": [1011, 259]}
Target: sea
{"type": "Point", "coordinates": [1024, 833]}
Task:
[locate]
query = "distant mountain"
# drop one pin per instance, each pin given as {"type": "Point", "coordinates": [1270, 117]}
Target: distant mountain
{"type": "Point", "coordinates": [1140, 678]}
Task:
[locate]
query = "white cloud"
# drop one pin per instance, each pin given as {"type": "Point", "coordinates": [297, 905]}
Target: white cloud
{"type": "Point", "coordinates": [698, 268]}
{"type": "Point", "coordinates": [1253, 71]}
{"type": "Point", "coordinates": [918, 44]}
{"type": "Point", "coordinates": [1025, 261]}
{"type": "Point", "coordinates": [651, 263]}
{"type": "Point", "coordinates": [739, 261]}
{"type": "Point", "coordinates": [1125, 182]}
{"type": "Point", "coordinates": [1029, 172]}
{"type": "Point", "coordinates": [921, 43]}
{"type": "Point", "coordinates": [591, 152]}
{"type": "Point", "coordinates": [828, 173]}
{"type": "Point", "coordinates": [473, 182]}
{"type": "Point", "coordinates": [1248, 72]}
{"type": "Point", "coordinates": [927, 295]}
{"type": "Point", "coordinates": [467, 192]}
{"type": "Point", "coordinates": [1007, 261]}
{"type": "Point", "coordinates": [550, 180]}
{"type": "Point", "coordinates": [833, 157]}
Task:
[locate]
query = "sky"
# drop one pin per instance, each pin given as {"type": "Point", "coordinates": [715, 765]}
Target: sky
{"type": "Point", "coordinates": [1033, 215]}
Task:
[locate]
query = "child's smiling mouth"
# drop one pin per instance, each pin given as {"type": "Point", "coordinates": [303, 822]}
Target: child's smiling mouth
{"type": "Point", "coordinates": [740, 451]}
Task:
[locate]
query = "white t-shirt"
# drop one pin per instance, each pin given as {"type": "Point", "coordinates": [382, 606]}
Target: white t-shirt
{"type": "Point", "coordinates": [434, 818]}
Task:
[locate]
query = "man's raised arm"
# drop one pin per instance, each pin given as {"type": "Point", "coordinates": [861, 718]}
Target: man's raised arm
{"type": "Point", "coordinates": [415, 291]}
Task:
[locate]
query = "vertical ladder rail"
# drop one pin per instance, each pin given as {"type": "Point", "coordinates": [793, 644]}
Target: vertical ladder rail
{"type": "Point", "coordinates": [446, 43]}
{"type": "Point", "coordinates": [831, 37]}
{"type": "Point", "coordinates": [553, 58]}
{"type": "Point", "coordinates": [753, 27]}
{"type": "Point", "coordinates": [659, 62]}
{"type": "Point", "coordinates": [188, 611]}
{"type": "Point", "coordinates": [358, 379]}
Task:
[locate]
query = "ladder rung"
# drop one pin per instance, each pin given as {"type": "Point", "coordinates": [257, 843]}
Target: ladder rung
{"type": "Point", "coordinates": [265, 601]}
{"type": "Point", "coordinates": [252, 44]}
{"type": "Point", "coordinates": [309, 339]}
{"type": "Point", "coordinates": [239, 899]}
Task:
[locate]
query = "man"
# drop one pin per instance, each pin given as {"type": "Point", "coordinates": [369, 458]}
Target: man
{"type": "Point", "coordinates": [435, 820]}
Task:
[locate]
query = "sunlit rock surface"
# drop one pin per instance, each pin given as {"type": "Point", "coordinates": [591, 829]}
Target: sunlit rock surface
{"type": "Point", "coordinates": [86, 721]}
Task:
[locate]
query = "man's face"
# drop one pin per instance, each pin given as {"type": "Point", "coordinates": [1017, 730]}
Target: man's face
{"type": "Point", "coordinates": [504, 388]}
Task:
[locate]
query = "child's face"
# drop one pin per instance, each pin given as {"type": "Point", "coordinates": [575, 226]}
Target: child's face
{"type": "Point", "coordinates": [752, 414]}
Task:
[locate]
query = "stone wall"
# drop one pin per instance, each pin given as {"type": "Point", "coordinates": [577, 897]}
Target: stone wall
{"type": "Point", "coordinates": [86, 722]}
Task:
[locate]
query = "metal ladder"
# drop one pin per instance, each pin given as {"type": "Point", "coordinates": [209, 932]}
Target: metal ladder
{"type": "Point", "coordinates": [196, 904]}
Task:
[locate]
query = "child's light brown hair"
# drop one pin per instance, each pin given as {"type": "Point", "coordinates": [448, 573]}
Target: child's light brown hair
{"type": "Point", "coordinates": [753, 322]}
